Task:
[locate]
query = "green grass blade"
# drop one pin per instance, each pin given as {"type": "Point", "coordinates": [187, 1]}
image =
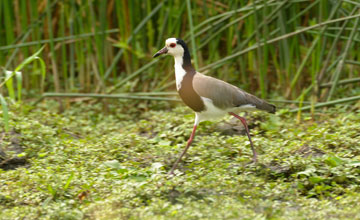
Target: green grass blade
{"type": "Point", "coordinates": [109, 96]}
{"type": "Point", "coordinates": [193, 45]}
{"type": "Point", "coordinates": [322, 72]}
{"type": "Point", "coordinates": [342, 61]}
{"type": "Point", "coordinates": [302, 30]}
{"type": "Point", "coordinates": [19, 80]}
{"type": "Point", "coordinates": [68, 181]}
{"type": "Point", "coordinates": [29, 60]}
{"type": "Point", "coordinates": [43, 72]}
{"type": "Point", "coordinates": [5, 112]}
{"type": "Point", "coordinates": [328, 103]}
{"type": "Point", "coordinates": [26, 62]}
{"type": "Point", "coordinates": [58, 39]}
{"type": "Point", "coordinates": [133, 75]}
{"type": "Point", "coordinates": [8, 21]}
{"type": "Point", "coordinates": [136, 30]}
{"type": "Point", "coordinates": [341, 82]}
{"type": "Point", "coordinates": [303, 63]}
{"type": "Point", "coordinates": [10, 83]}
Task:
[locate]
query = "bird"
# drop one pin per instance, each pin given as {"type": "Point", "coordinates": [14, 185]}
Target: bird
{"type": "Point", "coordinates": [208, 97]}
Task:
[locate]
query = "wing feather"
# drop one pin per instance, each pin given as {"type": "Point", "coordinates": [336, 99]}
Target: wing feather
{"type": "Point", "coordinates": [225, 95]}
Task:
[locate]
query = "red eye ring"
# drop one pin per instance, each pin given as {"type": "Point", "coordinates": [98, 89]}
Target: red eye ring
{"type": "Point", "coordinates": [173, 45]}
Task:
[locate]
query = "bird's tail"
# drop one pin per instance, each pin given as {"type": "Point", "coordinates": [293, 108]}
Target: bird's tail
{"type": "Point", "coordinates": [267, 107]}
{"type": "Point", "coordinates": [272, 108]}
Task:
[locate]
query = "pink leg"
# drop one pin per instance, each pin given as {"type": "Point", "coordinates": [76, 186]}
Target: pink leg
{"type": "Point", "coordinates": [243, 121]}
{"type": "Point", "coordinates": [186, 148]}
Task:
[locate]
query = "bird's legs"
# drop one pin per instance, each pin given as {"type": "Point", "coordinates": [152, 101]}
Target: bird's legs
{"type": "Point", "coordinates": [243, 121]}
{"type": "Point", "coordinates": [186, 148]}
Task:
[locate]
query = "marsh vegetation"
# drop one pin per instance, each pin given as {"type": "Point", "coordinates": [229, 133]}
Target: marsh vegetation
{"type": "Point", "coordinates": [91, 124]}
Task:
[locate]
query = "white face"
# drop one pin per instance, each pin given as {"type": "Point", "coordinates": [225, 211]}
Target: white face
{"type": "Point", "coordinates": [174, 49]}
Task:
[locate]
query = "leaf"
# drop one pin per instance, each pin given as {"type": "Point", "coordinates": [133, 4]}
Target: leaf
{"type": "Point", "coordinates": [138, 178]}
{"type": "Point", "coordinates": [273, 124]}
{"type": "Point", "coordinates": [165, 143]}
{"type": "Point", "coordinates": [333, 161]}
{"type": "Point", "coordinates": [307, 172]}
{"type": "Point", "coordinates": [156, 167]}
{"type": "Point", "coordinates": [316, 179]}
{"type": "Point", "coordinates": [300, 186]}
{"type": "Point", "coordinates": [114, 164]}
{"type": "Point", "coordinates": [29, 59]}
{"type": "Point", "coordinates": [355, 163]}
{"type": "Point", "coordinates": [23, 154]}
{"type": "Point", "coordinates": [26, 62]}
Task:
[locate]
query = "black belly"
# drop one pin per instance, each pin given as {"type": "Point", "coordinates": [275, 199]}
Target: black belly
{"type": "Point", "coordinates": [188, 94]}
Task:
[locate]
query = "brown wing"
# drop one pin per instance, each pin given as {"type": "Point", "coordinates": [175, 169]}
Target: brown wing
{"type": "Point", "coordinates": [225, 95]}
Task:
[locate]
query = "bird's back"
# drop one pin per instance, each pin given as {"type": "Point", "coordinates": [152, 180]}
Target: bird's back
{"type": "Point", "coordinates": [225, 95]}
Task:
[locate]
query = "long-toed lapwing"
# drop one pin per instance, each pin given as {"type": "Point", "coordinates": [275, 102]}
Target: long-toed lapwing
{"type": "Point", "coordinates": [210, 98]}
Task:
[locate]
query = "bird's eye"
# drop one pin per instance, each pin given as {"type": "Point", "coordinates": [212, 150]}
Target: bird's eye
{"type": "Point", "coordinates": [173, 45]}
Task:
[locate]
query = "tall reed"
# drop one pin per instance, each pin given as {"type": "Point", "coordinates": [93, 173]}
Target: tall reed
{"type": "Point", "coordinates": [265, 46]}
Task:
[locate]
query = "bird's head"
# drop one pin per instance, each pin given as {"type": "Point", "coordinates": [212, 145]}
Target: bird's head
{"type": "Point", "coordinates": [173, 46]}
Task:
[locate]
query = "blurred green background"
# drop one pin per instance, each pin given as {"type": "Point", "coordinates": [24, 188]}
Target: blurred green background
{"type": "Point", "coordinates": [304, 50]}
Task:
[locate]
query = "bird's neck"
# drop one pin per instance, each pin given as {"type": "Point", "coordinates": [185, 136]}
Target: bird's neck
{"type": "Point", "coordinates": [184, 73]}
{"type": "Point", "coordinates": [187, 62]}
{"type": "Point", "coordinates": [183, 67]}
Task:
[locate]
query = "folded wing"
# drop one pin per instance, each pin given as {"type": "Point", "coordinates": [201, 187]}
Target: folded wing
{"type": "Point", "coordinates": [225, 95]}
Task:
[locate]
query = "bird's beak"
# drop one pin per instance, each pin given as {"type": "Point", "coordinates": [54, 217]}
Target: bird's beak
{"type": "Point", "coordinates": [162, 51]}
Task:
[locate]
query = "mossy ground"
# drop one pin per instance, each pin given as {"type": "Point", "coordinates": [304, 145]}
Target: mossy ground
{"type": "Point", "coordinates": [84, 163]}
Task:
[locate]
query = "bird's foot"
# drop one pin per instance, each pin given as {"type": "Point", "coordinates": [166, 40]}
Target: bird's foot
{"type": "Point", "coordinates": [254, 159]}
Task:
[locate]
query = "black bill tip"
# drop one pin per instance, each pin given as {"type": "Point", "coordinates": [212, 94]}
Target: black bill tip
{"type": "Point", "coordinates": [162, 51]}
{"type": "Point", "coordinates": [156, 55]}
